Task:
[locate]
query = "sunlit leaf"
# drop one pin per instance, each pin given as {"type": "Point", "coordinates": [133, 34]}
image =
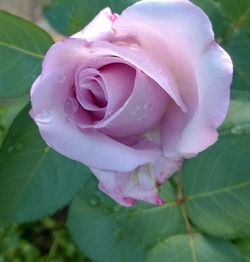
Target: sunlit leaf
{"type": "Point", "coordinates": [35, 180]}
{"type": "Point", "coordinates": [193, 249]}
{"type": "Point", "coordinates": [22, 47]}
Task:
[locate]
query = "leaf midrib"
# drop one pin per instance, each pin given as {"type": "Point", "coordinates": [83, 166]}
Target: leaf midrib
{"type": "Point", "coordinates": [21, 50]}
{"type": "Point", "coordinates": [219, 191]}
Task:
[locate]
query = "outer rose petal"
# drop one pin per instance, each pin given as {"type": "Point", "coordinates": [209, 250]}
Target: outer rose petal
{"type": "Point", "coordinates": [100, 28]}
{"type": "Point", "coordinates": [141, 184]}
{"type": "Point", "coordinates": [48, 97]}
{"type": "Point", "coordinates": [214, 76]}
{"type": "Point", "coordinates": [202, 70]}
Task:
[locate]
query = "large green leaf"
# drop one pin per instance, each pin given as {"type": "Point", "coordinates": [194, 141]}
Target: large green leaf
{"type": "Point", "coordinates": [193, 249]}
{"type": "Point", "coordinates": [106, 231]}
{"type": "Point", "coordinates": [217, 187]}
{"type": "Point", "coordinates": [237, 121]}
{"type": "Point", "coordinates": [35, 180]}
{"type": "Point", "coordinates": [70, 16]}
{"type": "Point", "coordinates": [22, 46]}
{"type": "Point", "coordinates": [238, 47]}
{"type": "Point", "coordinates": [244, 247]}
{"type": "Point", "coordinates": [238, 12]}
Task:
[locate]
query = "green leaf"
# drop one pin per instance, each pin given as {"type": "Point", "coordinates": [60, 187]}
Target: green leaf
{"type": "Point", "coordinates": [237, 121]}
{"type": "Point", "coordinates": [238, 47]}
{"type": "Point", "coordinates": [217, 187]}
{"type": "Point", "coordinates": [22, 46]}
{"type": "Point", "coordinates": [35, 180]}
{"type": "Point", "coordinates": [193, 249]}
{"type": "Point", "coordinates": [244, 247]}
{"type": "Point", "coordinates": [8, 111]}
{"type": "Point", "coordinates": [236, 39]}
{"type": "Point", "coordinates": [70, 16]}
{"type": "Point", "coordinates": [238, 12]}
{"type": "Point", "coordinates": [106, 231]}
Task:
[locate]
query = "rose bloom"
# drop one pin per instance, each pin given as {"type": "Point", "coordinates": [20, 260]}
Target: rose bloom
{"type": "Point", "coordinates": [132, 95]}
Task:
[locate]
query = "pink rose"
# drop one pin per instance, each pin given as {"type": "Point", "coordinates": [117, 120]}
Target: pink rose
{"type": "Point", "coordinates": [132, 95]}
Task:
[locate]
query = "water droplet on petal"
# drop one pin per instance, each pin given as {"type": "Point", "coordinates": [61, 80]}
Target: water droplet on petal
{"type": "Point", "coordinates": [69, 119]}
{"type": "Point", "coordinates": [44, 117]}
{"type": "Point", "coordinates": [148, 106]}
{"type": "Point", "coordinates": [117, 233]}
{"type": "Point", "coordinates": [19, 146]}
{"type": "Point", "coordinates": [62, 80]}
{"type": "Point", "coordinates": [142, 118]}
{"type": "Point", "coordinates": [134, 47]}
{"type": "Point", "coordinates": [71, 106]}
{"type": "Point", "coordinates": [136, 110]}
{"type": "Point", "coordinates": [94, 201]}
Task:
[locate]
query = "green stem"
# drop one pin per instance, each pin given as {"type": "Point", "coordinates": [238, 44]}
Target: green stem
{"type": "Point", "coordinates": [181, 202]}
{"type": "Point", "coordinates": [52, 250]}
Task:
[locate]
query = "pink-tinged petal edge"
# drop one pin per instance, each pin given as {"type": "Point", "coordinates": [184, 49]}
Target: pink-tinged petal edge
{"type": "Point", "coordinates": [140, 184]}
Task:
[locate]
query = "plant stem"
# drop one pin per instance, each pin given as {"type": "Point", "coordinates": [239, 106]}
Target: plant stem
{"type": "Point", "coordinates": [181, 202]}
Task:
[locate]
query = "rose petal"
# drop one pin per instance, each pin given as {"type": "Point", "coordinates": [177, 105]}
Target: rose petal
{"type": "Point", "coordinates": [119, 83]}
{"type": "Point", "coordinates": [141, 184]}
{"type": "Point", "coordinates": [93, 31]}
{"type": "Point", "coordinates": [201, 69]}
{"type": "Point", "coordinates": [91, 148]}
{"type": "Point", "coordinates": [214, 99]}
{"type": "Point", "coordinates": [140, 112]}
{"type": "Point", "coordinates": [125, 188]}
{"type": "Point", "coordinates": [146, 63]}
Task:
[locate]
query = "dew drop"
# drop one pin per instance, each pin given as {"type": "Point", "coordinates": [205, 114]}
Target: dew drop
{"type": "Point", "coordinates": [241, 129]}
{"type": "Point", "coordinates": [117, 208]}
{"type": "Point", "coordinates": [71, 106]}
{"type": "Point", "coordinates": [148, 106]}
{"type": "Point", "coordinates": [142, 118]}
{"type": "Point", "coordinates": [69, 119]}
{"type": "Point", "coordinates": [136, 110]}
{"type": "Point", "coordinates": [94, 201]}
{"type": "Point", "coordinates": [236, 130]}
{"type": "Point", "coordinates": [134, 47]}
{"type": "Point", "coordinates": [107, 210]}
{"type": "Point", "coordinates": [44, 117]}
{"type": "Point", "coordinates": [62, 80]}
{"type": "Point", "coordinates": [117, 233]}
{"type": "Point", "coordinates": [10, 149]}
{"type": "Point", "coordinates": [19, 146]}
